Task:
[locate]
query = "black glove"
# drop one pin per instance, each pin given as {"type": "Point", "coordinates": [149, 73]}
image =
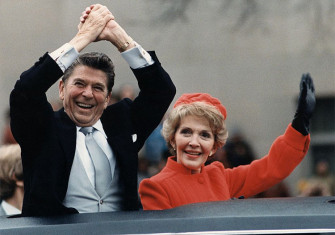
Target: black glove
{"type": "Point", "coordinates": [306, 105]}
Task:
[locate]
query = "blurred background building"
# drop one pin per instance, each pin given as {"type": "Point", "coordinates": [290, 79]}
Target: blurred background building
{"type": "Point", "coordinates": [249, 53]}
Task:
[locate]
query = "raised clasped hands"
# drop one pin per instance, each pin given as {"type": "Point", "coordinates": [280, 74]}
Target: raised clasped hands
{"type": "Point", "coordinates": [111, 30]}
{"type": "Point", "coordinates": [93, 21]}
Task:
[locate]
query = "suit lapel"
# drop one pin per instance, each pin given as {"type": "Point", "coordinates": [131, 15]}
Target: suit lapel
{"type": "Point", "coordinates": [67, 136]}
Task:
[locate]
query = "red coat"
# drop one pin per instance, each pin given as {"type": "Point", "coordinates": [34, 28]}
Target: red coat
{"type": "Point", "coordinates": [175, 185]}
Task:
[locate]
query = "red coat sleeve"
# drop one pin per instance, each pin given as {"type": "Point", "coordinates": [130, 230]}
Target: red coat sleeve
{"type": "Point", "coordinates": [286, 152]}
{"type": "Point", "coordinates": [153, 196]}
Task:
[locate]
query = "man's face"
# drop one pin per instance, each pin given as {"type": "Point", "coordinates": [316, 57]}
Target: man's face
{"type": "Point", "coordinates": [85, 95]}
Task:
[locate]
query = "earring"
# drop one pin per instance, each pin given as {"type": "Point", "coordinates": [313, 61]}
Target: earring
{"type": "Point", "coordinates": [210, 154]}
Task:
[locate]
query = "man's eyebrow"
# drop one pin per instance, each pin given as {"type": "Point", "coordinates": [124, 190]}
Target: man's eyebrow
{"type": "Point", "coordinates": [78, 79]}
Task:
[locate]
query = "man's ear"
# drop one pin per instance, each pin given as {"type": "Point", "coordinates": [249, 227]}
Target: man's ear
{"type": "Point", "coordinates": [61, 89]}
{"type": "Point", "coordinates": [108, 98]}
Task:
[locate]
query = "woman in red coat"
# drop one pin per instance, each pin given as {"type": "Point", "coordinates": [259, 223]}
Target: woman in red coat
{"type": "Point", "coordinates": [195, 129]}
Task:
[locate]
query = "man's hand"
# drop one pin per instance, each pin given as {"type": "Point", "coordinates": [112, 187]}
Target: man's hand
{"type": "Point", "coordinates": [306, 105]}
{"type": "Point", "coordinates": [92, 22]}
{"type": "Point", "coordinates": [112, 32]}
{"type": "Point", "coordinates": [84, 16]}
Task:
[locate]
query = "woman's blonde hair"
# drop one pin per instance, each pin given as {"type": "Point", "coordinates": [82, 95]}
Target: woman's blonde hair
{"type": "Point", "coordinates": [10, 169]}
{"type": "Point", "coordinates": [198, 109]}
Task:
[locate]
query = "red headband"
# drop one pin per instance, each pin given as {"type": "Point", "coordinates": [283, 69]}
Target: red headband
{"type": "Point", "coordinates": [188, 98]}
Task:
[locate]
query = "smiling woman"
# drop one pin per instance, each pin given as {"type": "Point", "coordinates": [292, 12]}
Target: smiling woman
{"type": "Point", "coordinates": [195, 129]}
{"type": "Point", "coordinates": [194, 142]}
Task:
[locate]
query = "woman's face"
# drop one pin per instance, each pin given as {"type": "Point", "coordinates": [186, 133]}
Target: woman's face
{"type": "Point", "coordinates": [193, 142]}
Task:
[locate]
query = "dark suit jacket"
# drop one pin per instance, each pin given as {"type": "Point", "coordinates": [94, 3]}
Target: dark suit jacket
{"type": "Point", "coordinates": [48, 138]}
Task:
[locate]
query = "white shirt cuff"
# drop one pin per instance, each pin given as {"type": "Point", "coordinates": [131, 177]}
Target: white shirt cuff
{"type": "Point", "coordinates": [65, 56]}
{"type": "Point", "coordinates": [137, 57]}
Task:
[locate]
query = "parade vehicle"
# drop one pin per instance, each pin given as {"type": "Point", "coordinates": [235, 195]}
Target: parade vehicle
{"type": "Point", "coordinates": [291, 215]}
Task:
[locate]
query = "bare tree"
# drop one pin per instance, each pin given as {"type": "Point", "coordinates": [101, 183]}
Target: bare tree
{"type": "Point", "coordinates": [252, 16]}
{"type": "Point", "coordinates": [321, 14]}
{"type": "Point", "coordinates": [173, 10]}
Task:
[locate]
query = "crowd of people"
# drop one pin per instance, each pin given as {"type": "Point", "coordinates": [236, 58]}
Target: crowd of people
{"type": "Point", "coordinates": [119, 150]}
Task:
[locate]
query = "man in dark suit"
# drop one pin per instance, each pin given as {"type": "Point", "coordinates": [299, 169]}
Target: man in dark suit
{"type": "Point", "coordinates": [59, 174]}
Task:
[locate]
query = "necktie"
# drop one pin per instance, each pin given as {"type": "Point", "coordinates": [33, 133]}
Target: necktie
{"type": "Point", "coordinates": [103, 175]}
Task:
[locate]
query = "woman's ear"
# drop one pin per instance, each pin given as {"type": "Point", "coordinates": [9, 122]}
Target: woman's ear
{"type": "Point", "coordinates": [173, 144]}
{"type": "Point", "coordinates": [212, 152]}
{"type": "Point", "coordinates": [19, 183]}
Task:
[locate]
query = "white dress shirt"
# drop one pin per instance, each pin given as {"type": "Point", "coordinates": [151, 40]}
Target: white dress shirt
{"type": "Point", "coordinates": [9, 209]}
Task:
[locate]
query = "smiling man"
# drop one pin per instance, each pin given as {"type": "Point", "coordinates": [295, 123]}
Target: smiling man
{"type": "Point", "coordinates": [86, 88]}
{"type": "Point", "coordinates": [83, 157]}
